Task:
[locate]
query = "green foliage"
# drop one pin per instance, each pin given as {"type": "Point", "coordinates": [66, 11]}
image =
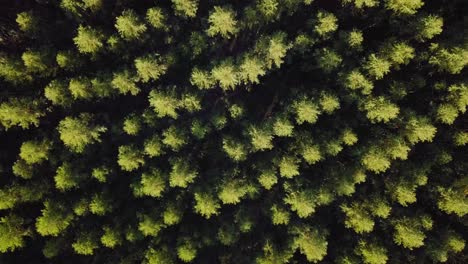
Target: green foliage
{"type": "Point", "coordinates": [222, 22]}
{"type": "Point", "coordinates": [410, 232]}
{"type": "Point", "coordinates": [130, 158]}
{"type": "Point", "coordinates": [454, 199]}
{"type": "Point", "coordinates": [181, 174]}
{"type": "Point", "coordinates": [306, 111]}
{"type": "Point", "coordinates": [57, 92]}
{"type": "Point", "coordinates": [89, 40]}
{"type": "Point", "coordinates": [260, 138]}
{"type": "Point", "coordinates": [111, 237]}
{"type": "Point", "coordinates": [276, 49]}
{"type": "Point", "coordinates": [279, 215]}
{"type": "Point", "coordinates": [174, 138]}
{"type": "Point", "coordinates": [85, 244]}
{"type": "Point", "coordinates": [158, 256]}
{"type": "Point", "coordinates": [101, 173]}
{"type": "Point", "coordinates": [206, 204]}
{"type": "Point", "coordinates": [400, 53]}
{"type": "Point", "coordinates": [419, 129]}
{"type": "Point", "coordinates": [447, 113]}
{"type": "Point", "coordinates": [164, 103]}
{"type": "Point", "coordinates": [225, 74]}
{"type": "Point", "coordinates": [460, 138]}
{"type": "Point", "coordinates": [372, 253]}
{"type": "Point", "coordinates": [124, 82]}
{"type": "Point", "coordinates": [22, 112]}
{"type": "Point", "coordinates": [301, 202]}
{"type": "Point", "coordinates": [329, 103]}
{"type": "Point", "coordinates": [376, 161]}
{"type": "Point", "coordinates": [187, 252]}
{"type": "Point", "coordinates": [156, 17]}
{"type": "Point", "coordinates": [231, 192]}
{"type": "Point", "coordinates": [130, 26]}
{"type": "Point", "coordinates": [202, 79]}
{"type": "Point", "coordinates": [328, 60]}
{"type": "Point", "coordinates": [54, 219]}
{"type": "Point", "coordinates": [404, 7]}
{"type": "Point", "coordinates": [377, 67]}
{"type": "Point", "coordinates": [380, 109]}
{"type": "Point", "coordinates": [12, 233]}
{"type": "Point", "coordinates": [34, 152]}
{"type": "Point", "coordinates": [36, 61]}
{"type": "Point", "coordinates": [100, 204]}
{"type": "Point", "coordinates": [172, 214]}
{"type": "Point", "coordinates": [326, 24]}
{"type": "Point", "coordinates": [153, 146]}
{"type": "Point", "coordinates": [283, 127]}
{"type": "Point", "coordinates": [132, 125]}
{"type": "Point", "coordinates": [236, 150]}
{"type": "Point", "coordinates": [125, 124]}
{"type": "Point", "coordinates": [27, 22]}
{"type": "Point", "coordinates": [187, 8]}
{"type": "Point", "coordinates": [428, 27]}
{"type": "Point", "coordinates": [153, 183]}
{"type": "Point", "coordinates": [311, 243]}
{"type": "Point", "coordinates": [78, 132]}
{"type": "Point", "coordinates": [358, 218]}
{"type": "Point", "coordinates": [267, 179]}
{"type": "Point", "coordinates": [66, 177]}
{"type": "Point", "coordinates": [150, 67]}
{"type": "Point", "coordinates": [356, 80]}
{"type": "Point", "coordinates": [288, 167]}
{"type": "Point", "coordinates": [451, 60]}
{"type": "Point", "coordinates": [251, 69]}
{"type": "Point", "coordinates": [23, 169]}
{"type": "Point", "coordinates": [362, 3]}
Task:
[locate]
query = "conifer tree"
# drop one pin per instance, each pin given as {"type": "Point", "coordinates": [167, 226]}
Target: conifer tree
{"type": "Point", "coordinates": [294, 131]}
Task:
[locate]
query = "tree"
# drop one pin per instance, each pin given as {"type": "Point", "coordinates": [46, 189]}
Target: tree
{"type": "Point", "coordinates": [311, 243]}
{"type": "Point", "coordinates": [150, 67]}
{"type": "Point", "coordinates": [124, 82]}
{"type": "Point", "coordinates": [111, 237]}
{"type": "Point", "coordinates": [156, 17]}
{"type": "Point", "coordinates": [377, 67]}
{"type": "Point", "coordinates": [164, 103]}
{"type": "Point", "coordinates": [372, 253]}
{"type": "Point", "coordinates": [85, 244]}
{"type": "Point", "coordinates": [451, 60]}
{"type": "Point", "coordinates": [12, 233]}
{"type": "Point", "coordinates": [22, 112]}
{"type": "Point", "coordinates": [226, 75]}
{"type": "Point", "coordinates": [181, 174]}
{"type": "Point", "coordinates": [57, 92]}
{"type": "Point", "coordinates": [54, 219]}
{"type": "Point", "coordinates": [293, 131]}
{"type": "Point", "coordinates": [326, 24]}
{"type": "Point", "coordinates": [187, 8]}
{"type": "Point", "coordinates": [89, 40]}
{"type": "Point", "coordinates": [153, 183]}
{"type": "Point", "coordinates": [206, 204]}
{"type": "Point", "coordinates": [174, 138]}
{"type": "Point", "coordinates": [380, 110]}
{"type": "Point", "coordinates": [428, 27]}
{"type": "Point", "coordinates": [130, 158]}
{"type": "Point", "coordinates": [222, 22]}
{"type": "Point", "coordinates": [401, 7]}
{"type": "Point", "coordinates": [28, 22]}
{"type": "Point", "coordinates": [130, 26]}
{"type": "Point", "coordinates": [34, 152]}
{"type": "Point", "coordinates": [78, 132]}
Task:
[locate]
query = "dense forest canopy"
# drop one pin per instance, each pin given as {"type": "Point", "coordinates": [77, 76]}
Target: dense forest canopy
{"type": "Point", "coordinates": [210, 131]}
